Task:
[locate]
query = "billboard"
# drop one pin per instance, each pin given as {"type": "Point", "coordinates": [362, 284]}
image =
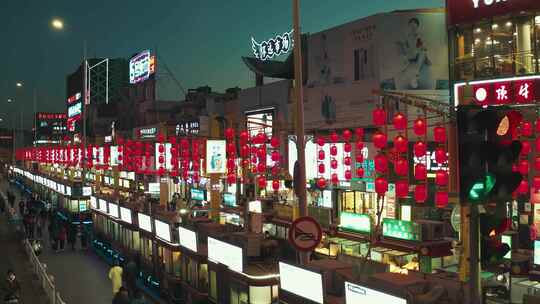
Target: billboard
{"type": "Point", "coordinates": [145, 223]}
{"type": "Point", "coordinates": [215, 156]}
{"type": "Point", "coordinates": [74, 111]}
{"type": "Point", "coordinates": [304, 283]}
{"type": "Point", "coordinates": [125, 215]}
{"type": "Point", "coordinates": [360, 294]}
{"type": "Point", "coordinates": [188, 238]}
{"type": "Point", "coordinates": [163, 230]}
{"type": "Point", "coordinates": [50, 126]}
{"type": "Point", "coordinates": [470, 11]}
{"type": "Point", "coordinates": [226, 254]}
{"type": "Point", "coordinates": [141, 67]}
{"type": "Point", "coordinates": [413, 52]}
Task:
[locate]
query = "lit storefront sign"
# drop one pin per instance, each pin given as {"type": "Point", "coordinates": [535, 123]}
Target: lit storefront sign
{"type": "Point", "coordinates": [355, 222]}
{"type": "Point", "coordinates": [273, 47]}
{"type": "Point", "coordinates": [147, 133]}
{"type": "Point", "coordinates": [188, 128]}
{"type": "Point", "coordinates": [404, 230]}
{"type": "Point", "coordinates": [514, 90]}
{"type": "Point", "coordinates": [469, 11]}
{"type": "Point", "coordinates": [141, 67]}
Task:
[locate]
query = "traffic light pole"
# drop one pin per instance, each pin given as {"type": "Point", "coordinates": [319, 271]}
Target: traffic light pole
{"type": "Point", "coordinates": [474, 256]}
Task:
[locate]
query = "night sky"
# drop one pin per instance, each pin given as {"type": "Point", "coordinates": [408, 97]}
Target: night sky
{"type": "Point", "coordinates": [201, 41]}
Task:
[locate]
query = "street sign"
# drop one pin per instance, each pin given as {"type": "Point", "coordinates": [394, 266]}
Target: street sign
{"type": "Point", "coordinates": [305, 233]}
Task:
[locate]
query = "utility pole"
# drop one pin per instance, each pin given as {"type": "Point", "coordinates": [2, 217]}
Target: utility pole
{"type": "Point", "coordinates": [299, 96]}
{"type": "Point", "coordinates": [85, 92]}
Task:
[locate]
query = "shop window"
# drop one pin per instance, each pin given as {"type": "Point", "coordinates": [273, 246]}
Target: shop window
{"type": "Point", "coordinates": [260, 295]}
{"type": "Point", "coordinates": [275, 293]}
{"type": "Point", "coordinates": [203, 277]}
{"type": "Point", "coordinates": [483, 49]}
{"type": "Point", "coordinates": [239, 293]}
{"type": "Point", "coordinates": [213, 286]}
{"type": "Point", "coordinates": [176, 260]}
{"type": "Point", "coordinates": [136, 241]}
{"type": "Point", "coordinates": [503, 45]}
{"type": "Point", "coordinates": [524, 46]}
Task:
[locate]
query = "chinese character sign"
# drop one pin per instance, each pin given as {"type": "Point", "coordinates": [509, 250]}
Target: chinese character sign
{"type": "Point", "coordinates": [515, 91]}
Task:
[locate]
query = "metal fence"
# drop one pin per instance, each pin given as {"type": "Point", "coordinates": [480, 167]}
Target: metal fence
{"type": "Point", "coordinates": [46, 281]}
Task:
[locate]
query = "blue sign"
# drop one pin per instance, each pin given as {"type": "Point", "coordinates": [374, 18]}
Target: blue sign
{"type": "Point", "coordinates": [197, 194]}
{"type": "Point", "coordinates": [229, 199]}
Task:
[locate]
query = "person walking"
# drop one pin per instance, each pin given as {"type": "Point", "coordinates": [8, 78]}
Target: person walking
{"type": "Point", "coordinates": [138, 298]}
{"type": "Point", "coordinates": [121, 297]}
{"type": "Point", "coordinates": [130, 276]}
{"type": "Point", "coordinates": [31, 224]}
{"type": "Point", "coordinates": [12, 288]}
{"type": "Point", "coordinates": [21, 207]}
{"type": "Point", "coordinates": [62, 236]}
{"type": "Point", "coordinates": [115, 275]}
{"type": "Point", "coordinates": [39, 226]}
{"type": "Point", "coordinates": [72, 236]}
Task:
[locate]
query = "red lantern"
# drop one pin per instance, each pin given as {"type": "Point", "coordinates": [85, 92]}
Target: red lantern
{"type": "Point", "coordinates": [231, 179]}
{"type": "Point", "coordinates": [523, 187]}
{"type": "Point", "coordinates": [261, 152]}
{"type": "Point", "coordinates": [348, 174]}
{"type": "Point", "coordinates": [161, 148]}
{"type": "Point", "coordinates": [381, 163]}
{"type": "Point", "coordinates": [275, 185]}
{"type": "Point", "coordinates": [274, 142]}
{"type": "Point", "coordinates": [360, 172]}
{"type": "Point", "coordinates": [439, 135]}
{"type": "Point", "coordinates": [420, 126]}
{"type": "Point", "coordinates": [347, 161]}
{"type": "Point", "coordinates": [381, 185]}
{"type": "Point", "coordinates": [244, 136]}
{"type": "Point", "coordinates": [401, 167]}
{"type": "Point", "coordinates": [320, 141]}
{"type": "Point", "coordinates": [230, 163]}
{"type": "Point", "coordinates": [334, 178]}
{"type": "Point", "coordinates": [441, 178]}
{"type": "Point", "coordinates": [321, 155]}
{"type": "Point", "coordinates": [245, 162]}
{"type": "Point", "coordinates": [359, 145]}
{"type": "Point", "coordinates": [262, 182]}
{"type": "Point", "coordinates": [244, 151]}
{"type": "Point", "coordinates": [536, 183]}
{"type": "Point", "coordinates": [379, 117]}
{"type": "Point", "coordinates": [347, 147]}
{"type": "Point", "coordinates": [537, 144]}
{"type": "Point", "coordinates": [402, 188]}
{"type": "Point", "coordinates": [359, 133]}
{"type": "Point", "coordinates": [261, 167]}
{"type": "Point", "coordinates": [347, 134]}
{"type": "Point", "coordinates": [161, 159]}
{"type": "Point", "coordinates": [359, 158]}
{"type": "Point", "coordinates": [420, 172]}
{"type": "Point", "coordinates": [523, 167]}
{"type": "Point", "coordinates": [420, 193]}
{"type": "Point", "coordinates": [275, 156]}
{"type": "Point", "coordinates": [333, 164]}
{"type": "Point", "coordinates": [321, 168]}
{"type": "Point", "coordinates": [526, 129]}
{"type": "Point", "coordinates": [420, 149]}
{"type": "Point", "coordinates": [229, 133]}
{"type": "Point", "coordinates": [441, 155]}
{"type": "Point", "coordinates": [400, 121]}
{"type": "Point", "coordinates": [441, 199]}
{"type": "Point", "coordinates": [400, 144]}
{"type": "Point", "coordinates": [231, 148]}
{"type": "Point", "coordinates": [537, 163]}
{"type": "Point", "coordinates": [537, 124]}
{"type": "Point", "coordinates": [525, 147]}
{"type": "Point", "coordinates": [321, 183]}
{"type": "Point", "coordinates": [333, 150]}
{"type": "Point", "coordinates": [379, 140]}
{"type": "Point", "coordinates": [334, 137]}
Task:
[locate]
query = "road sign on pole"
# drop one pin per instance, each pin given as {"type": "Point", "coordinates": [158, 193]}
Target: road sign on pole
{"type": "Point", "coordinates": [305, 234]}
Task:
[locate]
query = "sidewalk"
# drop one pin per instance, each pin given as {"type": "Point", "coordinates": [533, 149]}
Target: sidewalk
{"type": "Point", "coordinates": [80, 277]}
{"type": "Point", "coordinates": [14, 257]}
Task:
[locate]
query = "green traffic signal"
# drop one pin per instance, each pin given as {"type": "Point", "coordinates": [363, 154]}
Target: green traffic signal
{"type": "Point", "coordinates": [481, 189]}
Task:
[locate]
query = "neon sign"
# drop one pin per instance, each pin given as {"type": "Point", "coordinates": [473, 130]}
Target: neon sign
{"type": "Point", "coordinates": [141, 66]}
{"type": "Point", "coordinates": [74, 98]}
{"type": "Point", "coordinates": [476, 3]}
{"type": "Point", "coordinates": [273, 47]}
{"type": "Point", "coordinates": [515, 90]}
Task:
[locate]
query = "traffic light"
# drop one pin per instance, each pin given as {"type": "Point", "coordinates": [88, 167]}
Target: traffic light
{"type": "Point", "coordinates": [487, 152]}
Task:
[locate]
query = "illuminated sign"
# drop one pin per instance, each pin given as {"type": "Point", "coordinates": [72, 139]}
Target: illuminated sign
{"type": "Point", "coordinates": [360, 294]}
{"type": "Point", "coordinates": [163, 230]}
{"type": "Point", "coordinates": [188, 128]}
{"type": "Point", "coordinates": [255, 207]}
{"type": "Point", "coordinates": [355, 222]}
{"type": "Point", "coordinates": [404, 230]}
{"type": "Point", "coordinates": [141, 66]}
{"type": "Point", "coordinates": [514, 90]}
{"type": "Point", "coordinates": [188, 238]}
{"type": "Point", "coordinates": [301, 282]}
{"type": "Point", "coordinates": [229, 199]}
{"type": "Point", "coordinates": [536, 252]}
{"type": "Point", "coordinates": [226, 254]}
{"type": "Point", "coordinates": [125, 215]}
{"type": "Point", "coordinates": [507, 239]}
{"type": "Point", "coordinates": [476, 3]}
{"type": "Point", "coordinates": [197, 194]}
{"type": "Point", "coordinates": [273, 47]}
{"type": "Point", "coordinates": [145, 222]}
{"type": "Point", "coordinates": [148, 132]}
{"type": "Point", "coordinates": [215, 156]}
{"type": "Point", "coordinates": [74, 98]}
{"type": "Point", "coordinates": [75, 109]}
{"type": "Point", "coordinates": [473, 11]}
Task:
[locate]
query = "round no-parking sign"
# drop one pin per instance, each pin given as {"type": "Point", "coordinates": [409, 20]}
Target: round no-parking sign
{"type": "Point", "coordinates": [305, 233]}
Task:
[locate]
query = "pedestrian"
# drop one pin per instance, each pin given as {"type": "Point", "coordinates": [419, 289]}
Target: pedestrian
{"type": "Point", "coordinates": [39, 226]}
{"type": "Point", "coordinates": [72, 236]}
{"type": "Point", "coordinates": [12, 288]}
{"type": "Point", "coordinates": [121, 297]}
{"type": "Point", "coordinates": [115, 275]}
{"type": "Point", "coordinates": [62, 236]}
{"type": "Point", "coordinates": [21, 207]}
{"type": "Point", "coordinates": [131, 276]}
{"type": "Point", "coordinates": [138, 298]}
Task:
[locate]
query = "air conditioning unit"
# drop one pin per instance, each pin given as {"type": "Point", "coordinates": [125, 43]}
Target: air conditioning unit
{"type": "Point", "coordinates": [431, 230]}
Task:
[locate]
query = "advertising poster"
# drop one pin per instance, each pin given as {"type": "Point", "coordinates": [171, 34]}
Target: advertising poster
{"type": "Point", "coordinates": [216, 156]}
{"type": "Point", "coordinates": [360, 294]}
{"type": "Point", "coordinates": [536, 252]}
{"type": "Point", "coordinates": [414, 51]}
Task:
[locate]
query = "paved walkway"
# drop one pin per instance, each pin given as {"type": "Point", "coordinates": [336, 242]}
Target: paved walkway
{"type": "Point", "coordinates": [80, 277]}
{"type": "Point", "coordinates": [14, 258]}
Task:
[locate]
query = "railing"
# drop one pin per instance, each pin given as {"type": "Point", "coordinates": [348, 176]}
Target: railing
{"type": "Point", "coordinates": [46, 281]}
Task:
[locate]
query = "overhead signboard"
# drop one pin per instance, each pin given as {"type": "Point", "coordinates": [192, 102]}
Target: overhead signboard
{"type": "Point", "coordinates": [163, 230]}
{"type": "Point", "coordinates": [147, 133]}
{"type": "Point", "coordinates": [125, 215]}
{"type": "Point", "coordinates": [226, 254]}
{"type": "Point", "coordinates": [187, 238]}
{"type": "Point", "coordinates": [273, 47]}
{"type": "Point", "coordinates": [404, 230]}
{"type": "Point", "coordinates": [141, 67]}
{"type": "Point", "coordinates": [113, 210]}
{"type": "Point", "coordinates": [473, 11]}
{"type": "Point", "coordinates": [355, 222]}
{"type": "Point", "coordinates": [75, 110]}
{"type": "Point", "coordinates": [301, 282]}
{"type": "Point", "coordinates": [103, 206]}
{"type": "Point", "coordinates": [154, 188]}
{"type": "Point", "coordinates": [93, 202]}
{"type": "Point", "coordinates": [359, 294]}
{"type": "Point", "coordinates": [305, 233]}
{"type": "Point", "coordinates": [197, 194]}
{"type": "Point", "coordinates": [215, 156]}
{"type": "Point", "coordinates": [145, 223]}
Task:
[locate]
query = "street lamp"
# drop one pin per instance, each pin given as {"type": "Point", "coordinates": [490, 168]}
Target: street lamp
{"type": "Point", "coordinates": [57, 24]}
{"type": "Point", "coordinates": [19, 84]}
{"type": "Point", "coordinates": [9, 100]}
